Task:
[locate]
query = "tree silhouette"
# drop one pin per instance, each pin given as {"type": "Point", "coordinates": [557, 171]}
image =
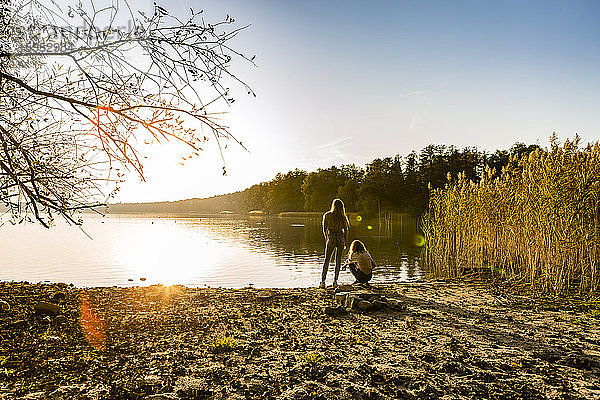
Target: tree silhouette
{"type": "Point", "coordinates": [384, 186]}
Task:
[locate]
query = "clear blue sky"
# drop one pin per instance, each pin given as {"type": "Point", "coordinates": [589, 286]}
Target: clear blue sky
{"type": "Point", "coordinates": [345, 82]}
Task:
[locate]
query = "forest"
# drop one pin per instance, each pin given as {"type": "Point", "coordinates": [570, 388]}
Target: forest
{"type": "Point", "coordinates": [389, 184]}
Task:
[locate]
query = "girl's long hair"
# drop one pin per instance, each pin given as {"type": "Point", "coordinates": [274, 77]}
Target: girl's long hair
{"type": "Point", "coordinates": [339, 213]}
{"type": "Point", "coordinates": [357, 247]}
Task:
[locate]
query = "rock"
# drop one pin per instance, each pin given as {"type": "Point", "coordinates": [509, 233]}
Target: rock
{"type": "Point", "coordinates": [152, 380]}
{"type": "Point", "coordinates": [46, 320]}
{"type": "Point", "coordinates": [366, 295]}
{"type": "Point", "coordinates": [351, 301]}
{"type": "Point", "coordinates": [340, 298]}
{"type": "Point", "coordinates": [189, 387]}
{"type": "Point", "coordinates": [579, 360]}
{"type": "Point", "coordinates": [379, 305]}
{"type": "Point", "coordinates": [142, 279]}
{"type": "Point", "coordinates": [35, 396]}
{"type": "Point", "coordinates": [364, 305]}
{"type": "Point", "coordinates": [130, 280]}
{"type": "Point", "coordinates": [344, 288]}
{"type": "Point", "coordinates": [4, 306]}
{"type": "Point", "coordinates": [66, 392]}
{"type": "Point", "coordinates": [335, 310]}
{"type": "Point", "coordinates": [44, 307]}
{"type": "Point", "coordinates": [395, 304]}
{"type": "Point", "coordinates": [59, 296]}
{"type": "Point", "coordinates": [60, 319]}
{"type": "Point", "coordinates": [392, 302]}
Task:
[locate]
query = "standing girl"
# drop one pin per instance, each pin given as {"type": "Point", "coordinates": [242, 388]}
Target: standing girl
{"type": "Point", "coordinates": [335, 230]}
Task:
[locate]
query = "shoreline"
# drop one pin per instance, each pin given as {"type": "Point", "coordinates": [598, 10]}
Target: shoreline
{"type": "Point", "coordinates": [451, 341]}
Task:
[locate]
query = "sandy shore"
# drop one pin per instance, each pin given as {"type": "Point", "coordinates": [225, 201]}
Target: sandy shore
{"type": "Point", "coordinates": [453, 341]}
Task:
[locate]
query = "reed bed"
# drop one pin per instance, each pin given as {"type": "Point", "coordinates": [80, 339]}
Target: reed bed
{"type": "Point", "coordinates": [536, 223]}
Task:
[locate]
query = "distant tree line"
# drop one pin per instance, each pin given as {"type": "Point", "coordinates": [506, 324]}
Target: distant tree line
{"type": "Point", "coordinates": [390, 184]}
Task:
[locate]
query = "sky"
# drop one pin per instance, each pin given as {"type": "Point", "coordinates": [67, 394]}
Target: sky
{"type": "Point", "coordinates": [340, 82]}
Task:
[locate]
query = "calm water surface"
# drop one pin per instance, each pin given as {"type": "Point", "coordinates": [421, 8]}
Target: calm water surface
{"type": "Point", "coordinates": [201, 251]}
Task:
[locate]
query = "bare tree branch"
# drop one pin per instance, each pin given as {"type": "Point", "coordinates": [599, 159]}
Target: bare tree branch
{"type": "Point", "coordinates": [79, 93]}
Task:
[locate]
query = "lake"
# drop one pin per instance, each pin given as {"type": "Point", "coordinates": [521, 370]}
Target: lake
{"type": "Point", "coordinates": [226, 251]}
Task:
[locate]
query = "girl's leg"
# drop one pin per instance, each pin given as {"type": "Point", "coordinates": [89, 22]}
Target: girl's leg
{"type": "Point", "coordinates": [360, 276]}
{"type": "Point", "coordinates": [338, 259]}
{"type": "Point", "coordinates": [328, 250]}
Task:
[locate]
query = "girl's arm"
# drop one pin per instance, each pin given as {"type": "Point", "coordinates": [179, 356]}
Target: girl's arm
{"type": "Point", "coordinates": [373, 264]}
{"type": "Point", "coordinates": [347, 231]}
{"type": "Point", "coordinates": [325, 225]}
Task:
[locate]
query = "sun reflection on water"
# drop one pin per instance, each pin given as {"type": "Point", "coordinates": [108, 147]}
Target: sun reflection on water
{"type": "Point", "coordinates": [152, 253]}
{"type": "Point", "coordinates": [194, 251]}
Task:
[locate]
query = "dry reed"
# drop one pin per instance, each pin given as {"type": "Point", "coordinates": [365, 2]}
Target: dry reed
{"type": "Point", "coordinates": [536, 224]}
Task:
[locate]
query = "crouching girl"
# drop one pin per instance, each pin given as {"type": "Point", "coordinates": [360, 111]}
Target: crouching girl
{"type": "Point", "coordinates": [360, 262]}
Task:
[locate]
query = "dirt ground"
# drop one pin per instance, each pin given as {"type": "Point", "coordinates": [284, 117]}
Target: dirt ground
{"type": "Point", "coordinates": [453, 341]}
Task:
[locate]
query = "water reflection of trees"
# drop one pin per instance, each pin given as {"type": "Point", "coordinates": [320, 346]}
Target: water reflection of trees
{"type": "Point", "coordinates": [300, 241]}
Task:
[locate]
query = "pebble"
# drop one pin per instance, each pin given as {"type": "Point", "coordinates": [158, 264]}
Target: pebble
{"type": "Point", "coordinates": [60, 319]}
{"type": "Point", "coordinates": [66, 392]}
{"type": "Point", "coordinates": [58, 296]}
{"type": "Point", "coordinates": [21, 323]}
{"type": "Point", "coordinates": [4, 306]}
{"type": "Point", "coordinates": [163, 396]}
{"type": "Point", "coordinates": [44, 307]}
{"type": "Point", "coordinates": [256, 387]}
{"type": "Point", "coordinates": [35, 396]}
{"type": "Point", "coordinates": [142, 279]}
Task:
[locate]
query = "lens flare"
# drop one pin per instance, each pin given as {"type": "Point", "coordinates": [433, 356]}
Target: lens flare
{"type": "Point", "coordinates": [369, 227]}
{"type": "Point", "coordinates": [358, 218]}
{"type": "Point", "coordinates": [92, 326]}
{"type": "Point", "coordinates": [419, 240]}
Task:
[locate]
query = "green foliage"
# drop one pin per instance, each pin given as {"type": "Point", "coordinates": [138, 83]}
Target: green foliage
{"type": "Point", "coordinates": [313, 364]}
{"type": "Point", "coordinates": [382, 186]}
{"type": "Point", "coordinates": [349, 193]}
{"type": "Point", "coordinates": [321, 186]}
{"type": "Point", "coordinates": [223, 345]}
{"type": "Point", "coordinates": [313, 359]}
{"type": "Point", "coordinates": [536, 223]}
{"type": "Point", "coordinates": [285, 193]}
